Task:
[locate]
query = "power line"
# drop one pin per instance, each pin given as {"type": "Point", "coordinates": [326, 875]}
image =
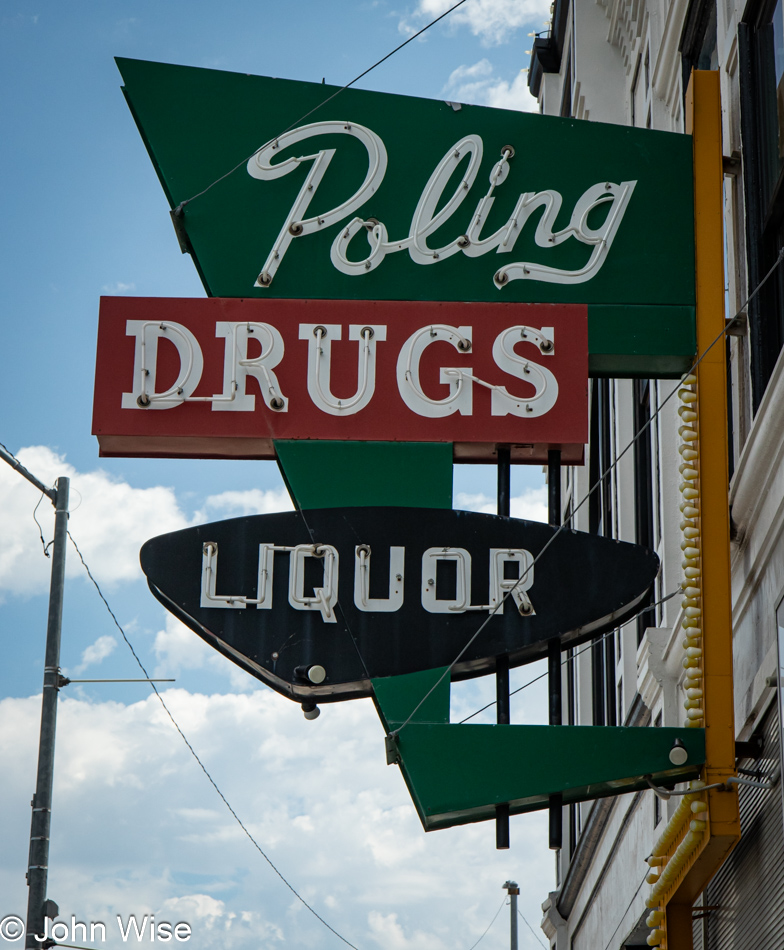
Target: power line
{"type": "Point", "coordinates": [12, 460]}
{"type": "Point", "coordinates": [623, 915]}
{"type": "Point", "coordinates": [9, 457]}
{"type": "Point", "coordinates": [202, 766]}
{"type": "Point", "coordinates": [537, 678]}
{"type": "Point", "coordinates": [531, 929]}
{"type": "Point", "coordinates": [568, 658]}
{"type": "Point", "coordinates": [489, 925]}
{"type": "Point", "coordinates": [643, 429]}
{"type": "Point", "coordinates": [44, 545]}
{"type": "Point", "coordinates": [181, 206]}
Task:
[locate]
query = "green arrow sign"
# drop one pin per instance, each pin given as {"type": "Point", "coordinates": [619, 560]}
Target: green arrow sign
{"type": "Point", "coordinates": [383, 197]}
{"type": "Point", "coordinates": [459, 773]}
{"type": "Point", "coordinates": [379, 197]}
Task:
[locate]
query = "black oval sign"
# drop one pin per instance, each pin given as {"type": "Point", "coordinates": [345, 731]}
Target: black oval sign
{"type": "Point", "coordinates": [319, 602]}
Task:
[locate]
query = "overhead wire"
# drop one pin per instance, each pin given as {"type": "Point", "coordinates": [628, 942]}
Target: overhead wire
{"type": "Point", "coordinates": [532, 929]}
{"type": "Point", "coordinates": [565, 661]}
{"type": "Point", "coordinates": [644, 428]}
{"type": "Point", "coordinates": [181, 206]}
{"type": "Point", "coordinates": [540, 677]}
{"type": "Point", "coordinates": [18, 466]}
{"type": "Point", "coordinates": [50, 493]}
{"type": "Point", "coordinates": [473, 945]}
{"type": "Point", "coordinates": [201, 764]}
{"type": "Point", "coordinates": [44, 545]}
{"type": "Point", "coordinates": [623, 915]}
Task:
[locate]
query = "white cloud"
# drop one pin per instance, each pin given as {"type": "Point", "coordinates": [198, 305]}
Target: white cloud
{"type": "Point", "coordinates": [388, 933]}
{"type": "Point", "coordinates": [515, 95]}
{"type": "Point", "coordinates": [178, 648]}
{"type": "Point", "coordinates": [109, 521]}
{"type": "Point", "coordinates": [482, 69]}
{"type": "Point", "coordinates": [137, 828]}
{"type": "Point", "coordinates": [530, 505]}
{"type": "Point", "coordinates": [104, 646]}
{"type": "Point", "coordinates": [118, 288]}
{"type": "Point", "coordinates": [477, 84]}
{"type": "Point", "coordinates": [236, 504]}
{"type": "Point", "coordinates": [493, 21]}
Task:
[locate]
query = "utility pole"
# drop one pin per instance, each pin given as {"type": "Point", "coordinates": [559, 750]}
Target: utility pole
{"type": "Point", "coordinates": [38, 907]}
{"type": "Point", "coordinates": [512, 890]}
{"type": "Point", "coordinates": [38, 864]}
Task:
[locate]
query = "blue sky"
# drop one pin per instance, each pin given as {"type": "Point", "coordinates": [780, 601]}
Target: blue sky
{"type": "Point", "coordinates": [136, 827]}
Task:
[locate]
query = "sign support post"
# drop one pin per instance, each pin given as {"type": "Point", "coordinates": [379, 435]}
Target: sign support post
{"type": "Point", "coordinates": [610, 308]}
{"type": "Point", "coordinates": [703, 121]}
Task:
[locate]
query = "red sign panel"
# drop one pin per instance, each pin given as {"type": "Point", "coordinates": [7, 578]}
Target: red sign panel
{"type": "Point", "coordinates": [225, 377]}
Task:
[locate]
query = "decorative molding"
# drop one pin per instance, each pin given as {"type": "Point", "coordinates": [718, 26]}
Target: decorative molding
{"type": "Point", "coordinates": [753, 704]}
{"type": "Point", "coordinates": [628, 22]}
{"type": "Point", "coordinates": [665, 79]}
{"type": "Point", "coordinates": [757, 494]}
{"type": "Point", "coordinates": [761, 454]}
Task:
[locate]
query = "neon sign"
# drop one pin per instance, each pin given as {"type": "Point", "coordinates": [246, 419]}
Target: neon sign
{"type": "Point", "coordinates": [427, 220]}
{"type": "Point", "coordinates": [227, 378]}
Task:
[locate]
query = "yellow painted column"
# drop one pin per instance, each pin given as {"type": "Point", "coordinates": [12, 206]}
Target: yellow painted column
{"type": "Point", "coordinates": [703, 121]}
{"type": "Point", "coordinates": [704, 111]}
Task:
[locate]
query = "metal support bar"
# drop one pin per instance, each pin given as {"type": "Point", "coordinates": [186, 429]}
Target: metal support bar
{"type": "Point", "coordinates": [554, 646]}
{"type": "Point", "coordinates": [42, 801]}
{"type": "Point", "coordinates": [51, 493]}
{"type": "Point", "coordinates": [65, 681]}
{"type": "Point", "coordinates": [502, 827]}
{"type": "Point", "coordinates": [502, 690]}
{"type": "Point", "coordinates": [504, 479]}
{"type": "Point", "coordinates": [556, 822]}
{"type": "Point", "coordinates": [502, 663]}
{"type": "Point", "coordinates": [554, 680]}
{"type": "Point", "coordinates": [554, 486]}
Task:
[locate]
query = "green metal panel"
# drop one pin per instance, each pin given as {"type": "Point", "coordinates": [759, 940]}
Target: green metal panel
{"type": "Point", "coordinates": [396, 698]}
{"type": "Point", "coordinates": [360, 474]}
{"type": "Point", "coordinates": [646, 342]}
{"type": "Point", "coordinates": [458, 773]}
{"type": "Point", "coordinates": [200, 123]}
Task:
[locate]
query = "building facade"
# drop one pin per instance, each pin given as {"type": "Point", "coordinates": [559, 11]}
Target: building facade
{"type": "Point", "coordinates": [628, 62]}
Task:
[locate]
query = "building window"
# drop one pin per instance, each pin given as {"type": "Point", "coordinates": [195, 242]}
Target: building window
{"type": "Point", "coordinates": [657, 809]}
{"type": "Point", "coordinates": [571, 687]}
{"type": "Point", "coordinates": [599, 450]}
{"type": "Point", "coordinates": [641, 91]}
{"type": "Point", "coordinates": [780, 682]}
{"type": "Point", "coordinates": [761, 51]}
{"type": "Point", "coordinates": [603, 681]}
{"type": "Point", "coordinates": [600, 512]}
{"type": "Point", "coordinates": [699, 46]}
{"type": "Point", "coordinates": [643, 481]}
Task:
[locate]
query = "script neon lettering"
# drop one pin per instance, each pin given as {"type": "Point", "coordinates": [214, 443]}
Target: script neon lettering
{"type": "Point", "coordinates": [432, 212]}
